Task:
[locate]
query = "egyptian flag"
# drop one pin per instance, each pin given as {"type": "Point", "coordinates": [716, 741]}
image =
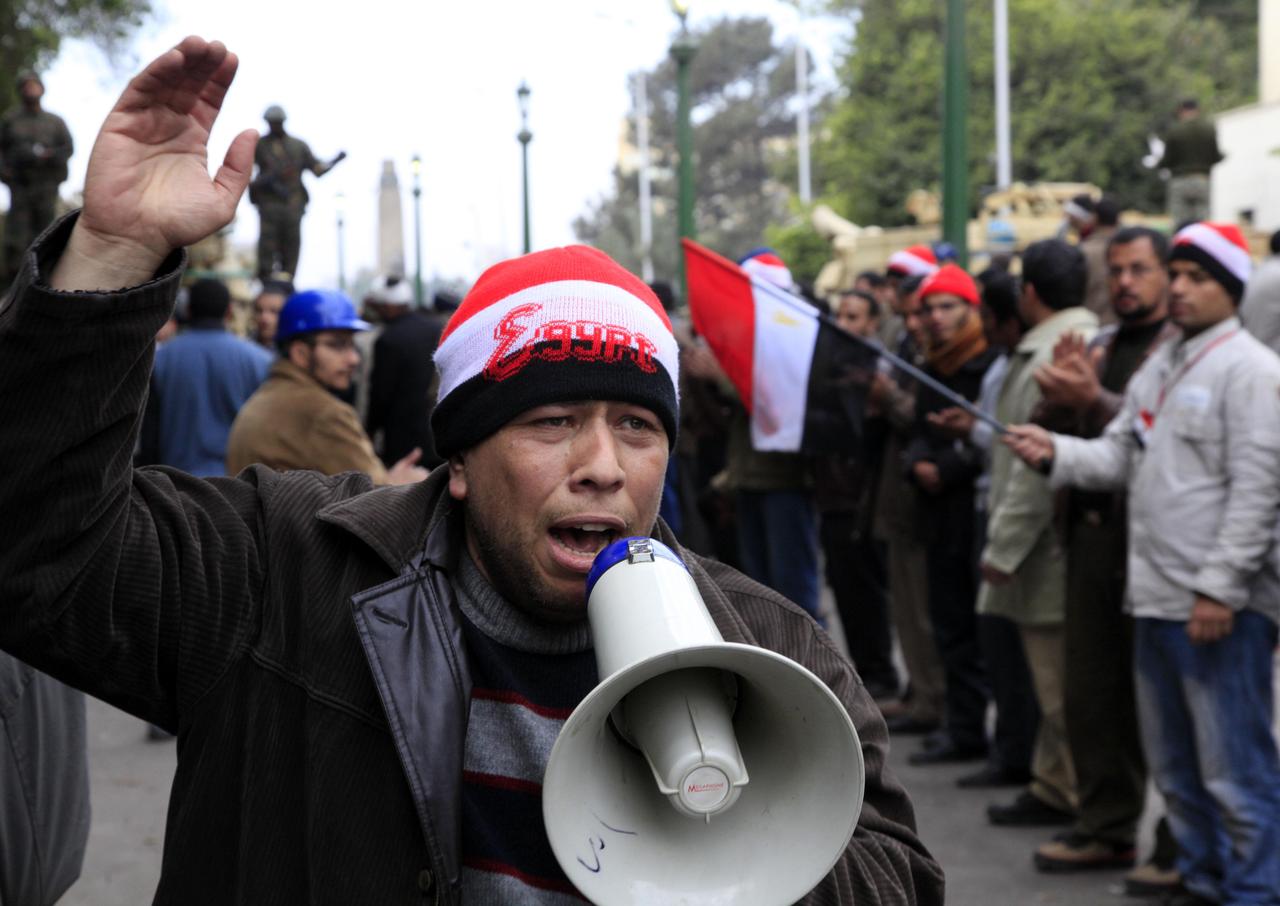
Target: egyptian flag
{"type": "Point", "coordinates": [803, 380]}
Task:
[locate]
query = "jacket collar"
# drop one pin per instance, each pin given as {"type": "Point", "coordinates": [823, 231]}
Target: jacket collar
{"type": "Point", "coordinates": [1046, 333]}
{"type": "Point", "coordinates": [402, 525]}
{"type": "Point", "coordinates": [1185, 348]}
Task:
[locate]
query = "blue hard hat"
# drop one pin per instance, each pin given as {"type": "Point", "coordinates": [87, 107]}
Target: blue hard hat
{"type": "Point", "coordinates": [318, 309]}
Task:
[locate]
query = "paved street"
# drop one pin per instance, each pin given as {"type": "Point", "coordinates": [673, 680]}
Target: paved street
{"type": "Point", "coordinates": [985, 866]}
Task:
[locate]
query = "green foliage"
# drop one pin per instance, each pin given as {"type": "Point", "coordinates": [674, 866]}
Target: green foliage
{"type": "Point", "coordinates": [31, 31]}
{"type": "Point", "coordinates": [741, 85]}
{"type": "Point", "coordinates": [800, 245]}
{"type": "Point", "coordinates": [1090, 81]}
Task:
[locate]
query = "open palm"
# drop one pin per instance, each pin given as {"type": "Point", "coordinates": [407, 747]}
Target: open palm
{"type": "Point", "coordinates": [148, 184]}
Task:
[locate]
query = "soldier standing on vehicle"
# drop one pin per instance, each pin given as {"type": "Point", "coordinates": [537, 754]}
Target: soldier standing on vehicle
{"type": "Point", "coordinates": [279, 194]}
{"type": "Point", "coordinates": [34, 148]}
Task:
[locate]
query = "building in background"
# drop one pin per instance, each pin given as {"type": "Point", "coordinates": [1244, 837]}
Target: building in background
{"type": "Point", "coordinates": [1246, 185]}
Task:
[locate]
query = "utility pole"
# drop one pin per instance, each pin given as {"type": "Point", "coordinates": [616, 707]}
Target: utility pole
{"type": "Point", "coordinates": [646, 194]}
{"type": "Point", "coordinates": [682, 50]}
{"type": "Point", "coordinates": [416, 164]}
{"type": "Point", "coordinates": [802, 121]}
{"type": "Point", "coordinates": [1004, 152]}
{"type": "Point", "coordinates": [955, 150]}
{"type": "Point", "coordinates": [525, 136]}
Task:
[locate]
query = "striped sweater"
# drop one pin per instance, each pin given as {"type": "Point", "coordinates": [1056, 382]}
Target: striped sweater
{"type": "Point", "coordinates": [527, 677]}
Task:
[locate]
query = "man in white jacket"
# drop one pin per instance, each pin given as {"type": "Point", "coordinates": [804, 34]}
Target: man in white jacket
{"type": "Point", "coordinates": [1197, 444]}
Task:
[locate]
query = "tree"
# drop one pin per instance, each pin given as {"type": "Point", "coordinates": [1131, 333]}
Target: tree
{"type": "Point", "coordinates": [1090, 80]}
{"type": "Point", "coordinates": [31, 31]}
{"type": "Point", "coordinates": [741, 86]}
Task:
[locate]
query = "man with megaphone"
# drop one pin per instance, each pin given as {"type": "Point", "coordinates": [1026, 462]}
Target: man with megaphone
{"type": "Point", "coordinates": [367, 684]}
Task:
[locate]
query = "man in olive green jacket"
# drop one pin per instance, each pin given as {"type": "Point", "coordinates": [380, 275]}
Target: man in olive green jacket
{"type": "Point", "coordinates": [1023, 565]}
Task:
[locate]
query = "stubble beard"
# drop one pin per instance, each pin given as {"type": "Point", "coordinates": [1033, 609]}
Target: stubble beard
{"type": "Point", "coordinates": [513, 576]}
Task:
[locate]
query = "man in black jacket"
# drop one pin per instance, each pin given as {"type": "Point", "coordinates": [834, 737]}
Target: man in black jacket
{"type": "Point", "coordinates": [332, 656]}
{"type": "Point", "coordinates": [945, 471]}
{"type": "Point", "coordinates": [403, 382]}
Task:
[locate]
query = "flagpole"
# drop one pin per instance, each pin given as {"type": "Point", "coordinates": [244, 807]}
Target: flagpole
{"type": "Point", "coordinates": [898, 362]}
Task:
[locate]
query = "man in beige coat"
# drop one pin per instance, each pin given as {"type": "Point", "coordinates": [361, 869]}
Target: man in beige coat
{"type": "Point", "coordinates": [294, 421]}
{"type": "Point", "coordinates": [1023, 564]}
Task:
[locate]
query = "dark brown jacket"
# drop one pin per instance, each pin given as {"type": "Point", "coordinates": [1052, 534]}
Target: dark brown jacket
{"type": "Point", "coordinates": [293, 422]}
{"type": "Point", "coordinates": [297, 631]}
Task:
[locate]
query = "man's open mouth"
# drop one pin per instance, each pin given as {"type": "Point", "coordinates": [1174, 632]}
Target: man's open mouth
{"type": "Point", "coordinates": [585, 538]}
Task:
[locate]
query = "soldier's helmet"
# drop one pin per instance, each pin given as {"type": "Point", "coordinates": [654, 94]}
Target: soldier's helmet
{"type": "Point", "coordinates": [274, 114]}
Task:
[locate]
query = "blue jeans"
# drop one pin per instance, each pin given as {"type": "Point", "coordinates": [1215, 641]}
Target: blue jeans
{"type": "Point", "coordinates": [778, 543]}
{"type": "Point", "coordinates": [1206, 713]}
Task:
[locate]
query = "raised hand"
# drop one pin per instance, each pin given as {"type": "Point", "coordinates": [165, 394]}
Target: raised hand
{"type": "Point", "coordinates": [1071, 380]}
{"type": "Point", "coordinates": [148, 190]}
{"type": "Point", "coordinates": [407, 470]}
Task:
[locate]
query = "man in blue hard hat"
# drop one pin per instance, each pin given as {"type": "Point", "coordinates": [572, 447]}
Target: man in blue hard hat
{"type": "Point", "coordinates": [295, 421]}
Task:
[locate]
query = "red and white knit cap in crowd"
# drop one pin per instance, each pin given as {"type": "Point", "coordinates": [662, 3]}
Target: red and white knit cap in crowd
{"type": "Point", "coordinates": [767, 265]}
{"type": "Point", "coordinates": [556, 326]}
{"type": "Point", "coordinates": [953, 280]}
{"type": "Point", "coordinates": [916, 260]}
{"type": "Point", "coordinates": [1219, 248]}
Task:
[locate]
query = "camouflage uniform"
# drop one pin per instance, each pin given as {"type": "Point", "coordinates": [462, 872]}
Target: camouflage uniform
{"type": "Point", "coordinates": [281, 199]}
{"type": "Point", "coordinates": [34, 148]}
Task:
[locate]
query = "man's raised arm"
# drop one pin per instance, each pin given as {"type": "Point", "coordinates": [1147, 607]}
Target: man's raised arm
{"type": "Point", "coordinates": [147, 190]}
{"type": "Point", "coordinates": [134, 586]}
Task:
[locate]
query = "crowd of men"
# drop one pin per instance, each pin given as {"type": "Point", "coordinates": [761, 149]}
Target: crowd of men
{"type": "Point", "coordinates": [1106, 576]}
{"type": "Point", "coordinates": [356, 594]}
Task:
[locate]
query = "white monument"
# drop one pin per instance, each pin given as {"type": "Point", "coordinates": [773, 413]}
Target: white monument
{"type": "Point", "coordinates": [390, 223]}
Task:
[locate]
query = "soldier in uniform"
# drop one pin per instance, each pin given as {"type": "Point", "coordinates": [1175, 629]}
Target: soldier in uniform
{"type": "Point", "coordinates": [279, 194]}
{"type": "Point", "coordinates": [34, 148]}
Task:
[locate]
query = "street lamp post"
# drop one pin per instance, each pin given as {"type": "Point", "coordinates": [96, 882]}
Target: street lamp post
{"type": "Point", "coordinates": [955, 149]}
{"type": "Point", "coordinates": [645, 191]}
{"type": "Point", "coordinates": [525, 136]}
{"type": "Point", "coordinates": [415, 164]}
{"type": "Point", "coordinates": [682, 50]}
{"type": "Point", "coordinates": [340, 202]}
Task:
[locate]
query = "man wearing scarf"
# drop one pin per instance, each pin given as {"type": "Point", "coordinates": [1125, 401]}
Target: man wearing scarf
{"type": "Point", "coordinates": [944, 472]}
{"type": "Point", "coordinates": [1024, 565]}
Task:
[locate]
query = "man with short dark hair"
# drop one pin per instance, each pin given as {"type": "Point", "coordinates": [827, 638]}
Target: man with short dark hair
{"type": "Point", "coordinates": [35, 146]}
{"type": "Point", "coordinates": [366, 683]}
{"type": "Point", "coordinates": [854, 559]}
{"type": "Point", "coordinates": [899, 523]}
{"type": "Point", "coordinates": [1190, 152]}
{"type": "Point", "coordinates": [266, 311]}
{"type": "Point", "coordinates": [1196, 443]}
{"type": "Point", "coordinates": [1093, 245]}
{"type": "Point", "coordinates": [1083, 390]}
{"type": "Point", "coordinates": [403, 380]}
{"type": "Point", "coordinates": [201, 379]}
{"type": "Point", "coordinates": [1023, 565]}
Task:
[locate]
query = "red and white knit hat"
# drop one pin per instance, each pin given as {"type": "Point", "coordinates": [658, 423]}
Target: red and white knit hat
{"type": "Point", "coordinates": [1220, 249]}
{"type": "Point", "coordinates": [767, 265]}
{"type": "Point", "coordinates": [916, 259]}
{"type": "Point", "coordinates": [556, 326]}
{"type": "Point", "coordinates": [951, 279]}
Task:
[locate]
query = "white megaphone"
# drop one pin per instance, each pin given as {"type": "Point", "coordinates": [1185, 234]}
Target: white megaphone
{"type": "Point", "coordinates": [698, 771]}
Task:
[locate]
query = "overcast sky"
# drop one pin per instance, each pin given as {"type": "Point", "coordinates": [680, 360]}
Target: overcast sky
{"type": "Point", "coordinates": [384, 80]}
